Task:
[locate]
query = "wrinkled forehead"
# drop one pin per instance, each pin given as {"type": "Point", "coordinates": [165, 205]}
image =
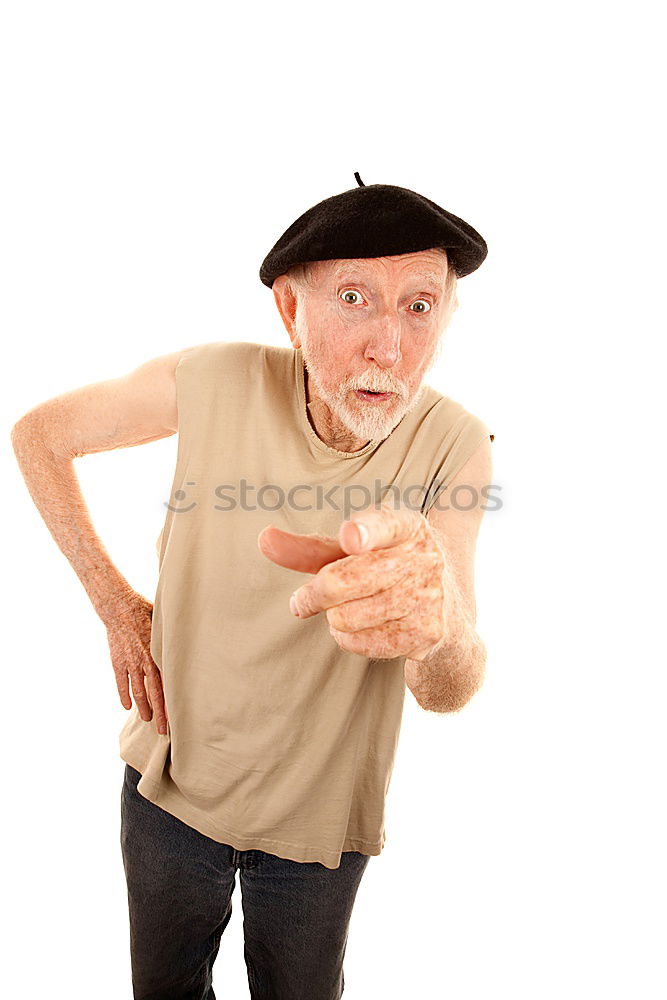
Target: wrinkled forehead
{"type": "Point", "coordinates": [425, 265]}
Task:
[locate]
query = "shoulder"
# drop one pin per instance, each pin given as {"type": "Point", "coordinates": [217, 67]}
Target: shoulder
{"type": "Point", "coordinates": [240, 351]}
{"type": "Point", "coordinates": [217, 353]}
{"type": "Point", "coordinates": [454, 420]}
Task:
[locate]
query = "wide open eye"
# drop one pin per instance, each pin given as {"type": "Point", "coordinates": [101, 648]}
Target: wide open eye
{"type": "Point", "coordinates": [422, 311]}
{"type": "Point", "coordinates": [350, 292]}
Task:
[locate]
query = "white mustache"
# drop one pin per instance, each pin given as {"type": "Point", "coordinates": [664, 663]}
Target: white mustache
{"type": "Point", "coordinates": [369, 383]}
{"type": "Point", "coordinates": [373, 383]}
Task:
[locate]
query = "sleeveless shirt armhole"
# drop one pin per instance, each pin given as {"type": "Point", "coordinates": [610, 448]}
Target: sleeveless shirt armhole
{"type": "Point", "coordinates": [460, 444]}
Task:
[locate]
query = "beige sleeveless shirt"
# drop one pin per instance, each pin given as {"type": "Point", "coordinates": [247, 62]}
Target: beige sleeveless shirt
{"type": "Point", "coordinates": [278, 739]}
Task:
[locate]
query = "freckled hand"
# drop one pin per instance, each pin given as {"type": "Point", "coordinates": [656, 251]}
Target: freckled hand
{"type": "Point", "coordinates": [380, 582]}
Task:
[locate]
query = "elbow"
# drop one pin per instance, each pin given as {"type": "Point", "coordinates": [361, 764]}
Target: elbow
{"type": "Point", "coordinates": [450, 700]}
{"type": "Point", "coordinates": [459, 690]}
{"type": "Point", "coordinates": [18, 435]}
{"type": "Point", "coordinates": [25, 425]}
{"type": "Point", "coordinates": [16, 430]}
{"type": "Point", "coordinates": [29, 432]}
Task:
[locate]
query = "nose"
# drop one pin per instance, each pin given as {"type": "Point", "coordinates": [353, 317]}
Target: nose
{"type": "Point", "coordinates": [384, 346]}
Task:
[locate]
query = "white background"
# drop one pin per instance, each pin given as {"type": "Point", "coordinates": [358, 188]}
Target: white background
{"type": "Point", "coordinates": [153, 153]}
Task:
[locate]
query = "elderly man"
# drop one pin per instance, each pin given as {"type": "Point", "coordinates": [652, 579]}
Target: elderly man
{"type": "Point", "coordinates": [313, 562]}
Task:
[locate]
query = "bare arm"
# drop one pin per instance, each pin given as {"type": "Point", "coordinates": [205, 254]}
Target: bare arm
{"type": "Point", "coordinates": [119, 413]}
{"type": "Point", "coordinates": [448, 678]}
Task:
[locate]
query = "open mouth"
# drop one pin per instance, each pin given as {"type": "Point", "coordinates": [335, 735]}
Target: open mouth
{"type": "Point", "coordinates": [369, 394]}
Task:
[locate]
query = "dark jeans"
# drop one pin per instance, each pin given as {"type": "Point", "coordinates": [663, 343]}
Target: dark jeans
{"type": "Point", "coordinates": [180, 884]}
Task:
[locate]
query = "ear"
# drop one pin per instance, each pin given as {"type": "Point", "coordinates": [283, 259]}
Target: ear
{"type": "Point", "coordinates": [286, 302]}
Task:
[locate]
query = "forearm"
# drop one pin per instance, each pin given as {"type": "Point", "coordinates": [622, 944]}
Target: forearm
{"type": "Point", "coordinates": [448, 677]}
{"type": "Point", "coordinates": [56, 492]}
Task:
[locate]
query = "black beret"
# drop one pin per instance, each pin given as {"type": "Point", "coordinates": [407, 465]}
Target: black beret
{"type": "Point", "coordinates": [374, 220]}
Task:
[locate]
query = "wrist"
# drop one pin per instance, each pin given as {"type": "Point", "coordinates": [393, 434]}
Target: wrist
{"type": "Point", "coordinates": [115, 603]}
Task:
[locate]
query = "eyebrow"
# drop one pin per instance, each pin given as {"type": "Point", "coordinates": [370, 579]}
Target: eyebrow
{"type": "Point", "coordinates": [421, 277]}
